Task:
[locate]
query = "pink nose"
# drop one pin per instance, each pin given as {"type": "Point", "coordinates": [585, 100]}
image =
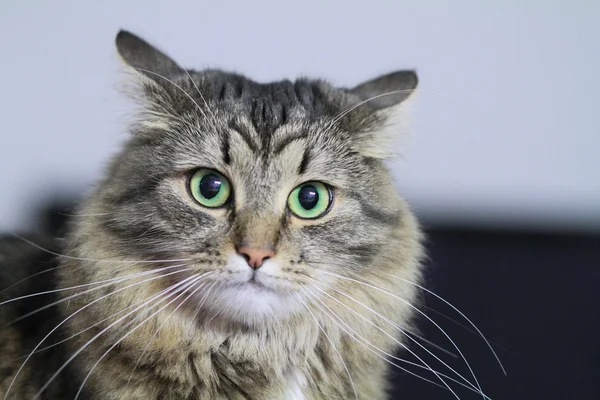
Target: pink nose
{"type": "Point", "coordinates": [255, 256]}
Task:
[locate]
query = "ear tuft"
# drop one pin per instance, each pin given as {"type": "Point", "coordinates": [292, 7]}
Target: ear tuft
{"type": "Point", "coordinates": [387, 90]}
{"type": "Point", "coordinates": [388, 96]}
{"type": "Point", "coordinates": [144, 57]}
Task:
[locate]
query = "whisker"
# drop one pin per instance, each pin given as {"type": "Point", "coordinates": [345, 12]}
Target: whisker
{"type": "Point", "coordinates": [174, 84]}
{"type": "Point", "coordinates": [389, 322]}
{"type": "Point", "coordinates": [403, 329]}
{"type": "Point", "coordinates": [387, 334]}
{"type": "Point", "coordinates": [220, 311]}
{"type": "Point", "coordinates": [109, 281]}
{"type": "Point", "coordinates": [201, 96]}
{"type": "Point", "coordinates": [408, 362]}
{"type": "Point", "coordinates": [141, 314]}
{"type": "Point", "coordinates": [71, 316]}
{"type": "Point", "coordinates": [27, 278]}
{"type": "Point", "coordinates": [332, 345]}
{"type": "Point", "coordinates": [186, 287]}
{"type": "Point", "coordinates": [83, 215]}
{"type": "Point", "coordinates": [354, 333]}
{"type": "Point", "coordinates": [329, 126]}
{"type": "Point", "coordinates": [84, 330]}
{"type": "Point", "coordinates": [355, 106]}
{"type": "Point", "coordinates": [417, 310]}
{"type": "Point", "coordinates": [458, 311]}
{"type": "Point", "coordinates": [82, 348]}
{"type": "Point", "coordinates": [98, 323]}
{"type": "Point", "coordinates": [160, 327]}
{"type": "Point", "coordinates": [69, 298]}
{"type": "Point", "coordinates": [468, 329]}
{"type": "Point", "coordinates": [203, 300]}
{"type": "Point", "coordinates": [430, 343]}
{"type": "Point", "coordinates": [469, 385]}
{"type": "Point", "coordinates": [91, 259]}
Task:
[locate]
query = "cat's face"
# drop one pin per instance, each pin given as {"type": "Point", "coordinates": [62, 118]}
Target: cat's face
{"type": "Point", "coordinates": [261, 189]}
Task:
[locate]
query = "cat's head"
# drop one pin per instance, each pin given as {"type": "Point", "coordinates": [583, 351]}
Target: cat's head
{"type": "Point", "coordinates": [265, 190]}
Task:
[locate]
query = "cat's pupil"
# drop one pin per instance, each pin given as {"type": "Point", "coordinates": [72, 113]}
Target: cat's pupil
{"type": "Point", "coordinates": [210, 186]}
{"type": "Point", "coordinates": [308, 197]}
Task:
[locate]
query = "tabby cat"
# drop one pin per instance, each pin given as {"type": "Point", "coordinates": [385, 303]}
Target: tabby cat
{"type": "Point", "coordinates": [240, 246]}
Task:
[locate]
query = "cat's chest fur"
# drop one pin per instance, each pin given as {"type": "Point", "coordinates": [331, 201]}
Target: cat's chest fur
{"type": "Point", "coordinates": [211, 364]}
{"type": "Point", "coordinates": [294, 387]}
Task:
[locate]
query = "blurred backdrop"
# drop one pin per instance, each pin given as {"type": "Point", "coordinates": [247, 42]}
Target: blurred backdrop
{"type": "Point", "coordinates": [505, 131]}
{"type": "Point", "coordinates": [502, 165]}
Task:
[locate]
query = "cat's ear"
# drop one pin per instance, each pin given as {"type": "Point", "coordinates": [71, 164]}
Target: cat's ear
{"type": "Point", "coordinates": [149, 80]}
{"type": "Point", "coordinates": [388, 90]}
{"type": "Point", "coordinates": [145, 58]}
{"type": "Point", "coordinates": [390, 96]}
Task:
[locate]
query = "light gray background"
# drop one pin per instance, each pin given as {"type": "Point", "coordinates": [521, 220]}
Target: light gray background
{"type": "Point", "coordinates": [506, 127]}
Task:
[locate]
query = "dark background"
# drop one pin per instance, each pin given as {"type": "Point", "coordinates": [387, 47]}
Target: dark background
{"type": "Point", "coordinates": [534, 295]}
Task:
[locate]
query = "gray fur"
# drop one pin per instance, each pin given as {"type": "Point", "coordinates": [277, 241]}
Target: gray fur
{"type": "Point", "coordinates": [267, 139]}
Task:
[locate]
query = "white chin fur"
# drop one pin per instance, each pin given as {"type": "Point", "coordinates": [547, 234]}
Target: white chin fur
{"type": "Point", "coordinates": [239, 299]}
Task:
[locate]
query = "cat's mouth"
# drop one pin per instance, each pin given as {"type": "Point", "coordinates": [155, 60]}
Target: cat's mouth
{"type": "Point", "coordinates": [252, 295]}
{"type": "Point", "coordinates": [258, 285]}
{"type": "Point", "coordinates": [263, 279]}
{"type": "Point", "coordinates": [254, 281]}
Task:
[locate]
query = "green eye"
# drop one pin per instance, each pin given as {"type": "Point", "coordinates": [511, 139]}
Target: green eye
{"type": "Point", "coordinates": [310, 200]}
{"type": "Point", "coordinates": [210, 188]}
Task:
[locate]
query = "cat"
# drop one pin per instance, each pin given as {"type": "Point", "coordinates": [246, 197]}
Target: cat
{"type": "Point", "coordinates": [241, 245]}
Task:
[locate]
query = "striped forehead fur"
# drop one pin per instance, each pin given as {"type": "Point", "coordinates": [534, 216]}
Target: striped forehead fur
{"type": "Point", "coordinates": [218, 98]}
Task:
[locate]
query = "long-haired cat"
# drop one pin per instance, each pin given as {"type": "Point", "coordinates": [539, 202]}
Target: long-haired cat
{"type": "Point", "coordinates": [240, 246]}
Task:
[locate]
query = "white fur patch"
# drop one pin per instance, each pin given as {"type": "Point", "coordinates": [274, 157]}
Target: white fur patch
{"type": "Point", "coordinates": [296, 382]}
{"type": "Point", "coordinates": [243, 300]}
